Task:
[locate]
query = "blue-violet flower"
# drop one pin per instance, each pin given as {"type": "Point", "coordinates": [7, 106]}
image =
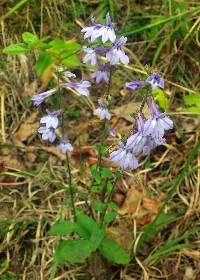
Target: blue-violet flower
{"type": "Point", "coordinates": [116, 54]}
{"type": "Point", "coordinates": [51, 120]}
{"type": "Point", "coordinates": [155, 81]}
{"type": "Point", "coordinates": [47, 133]}
{"type": "Point", "coordinates": [156, 125]}
{"type": "Point", "coordinates": [81, 87]}
{"type": "Point", "coordinates": [40, 97]}
{"type": "Point", "coordinates": [101, 74]}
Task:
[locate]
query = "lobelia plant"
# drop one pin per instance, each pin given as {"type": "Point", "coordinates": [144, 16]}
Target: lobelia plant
{"type": "Point", "coordinates": [86, 234]}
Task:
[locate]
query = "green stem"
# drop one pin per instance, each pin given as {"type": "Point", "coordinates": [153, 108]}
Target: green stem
{"type": "Point", "coordinates": [108, 200]}
{"type": "Point", "coordinates": [70, 186]}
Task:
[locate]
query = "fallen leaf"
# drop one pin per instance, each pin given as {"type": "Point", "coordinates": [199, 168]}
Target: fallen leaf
{"type": "Point", "coordinates": [126, 110]}
{"type": "Point", "coordinates": [27, 129]}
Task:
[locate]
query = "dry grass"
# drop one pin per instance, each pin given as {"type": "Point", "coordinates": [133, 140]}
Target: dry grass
{"type": "Point", "coordinates": [33, 188]}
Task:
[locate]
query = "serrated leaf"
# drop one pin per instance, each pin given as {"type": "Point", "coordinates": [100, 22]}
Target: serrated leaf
{"type": "Point", "coordinates": [72, 251]}
{"type": "Point", "coordinates": [43, 62]}
{"type": "Point", "coordinates": [113, 252]}
{"type": "Point", "coordinates": [62, 228]}
{"type": "Point", "coordinates": [20, 48]}
{"type": "Point", "coordinates": [30, 39]}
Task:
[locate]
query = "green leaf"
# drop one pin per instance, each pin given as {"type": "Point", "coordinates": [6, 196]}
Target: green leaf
{"type": "Point", "coordinates": [99, 206]}
{"type": "Point", "coordinates": [20, 48]}
{"type": "Point", "coordinates": [62, 228]}
{"type": "Point", "coordinates": [113, 252]}
{"type": "Point", "coordinates": [30, 39]}
{"type": "Point", "coordinates": [59, 46]}
{"type": "Point", "coordinates": [71, 61]}
{"type": "Point", "coordinates": [44, 60]}
{"type": "Point", "coordinates": [110, 216]}
{"type": "Point", "coordinates": [72, 251]}
{"type": "Point", "coordinates": [85, 226]}
{"type": "Point", "coordinates": [106, 173]}
{"type": "Point", "coordinates": [96, 238]}
{"type": "Point", "coordinates": [161, 98]}
{"type": "Point", "coordinates": [192, 99]}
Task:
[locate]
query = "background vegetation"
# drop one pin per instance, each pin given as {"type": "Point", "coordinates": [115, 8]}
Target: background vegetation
{"type": "Point", "coordinates": [161, 201]}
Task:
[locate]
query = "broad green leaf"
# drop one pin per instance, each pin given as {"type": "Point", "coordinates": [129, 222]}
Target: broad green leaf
{"type": "Point", "coordinates": [192, 99]}
{"type": "Point", "coordinates": [16, 49]}
{"type": "Point", "coordinates": [72, 251]}
{"type": "Point", "coordinates": [59, 46]}
{"type": "Point", "coordinates": [44, 60]}
{"type": "Point", "coordinates": [85, 226]}
{"type": "Point", "coordinates": [113, 252]}
{"type": "Point", "coordinates": [62, 228]}
{"type": "Point", "coordinates": [30, 39]}
{"type": "Point", "coordinates": [192, 109]}
{"type": "Point", "coordinates": [161, 98]}
{"type": "Point", "coordinates": [110, 216]}
{"type": "Point", "coordinates": [96, 238]}
{"type": "Point", "coordinates": [71, 61]}
{"type": "Point", "coordinates": [105, 172]}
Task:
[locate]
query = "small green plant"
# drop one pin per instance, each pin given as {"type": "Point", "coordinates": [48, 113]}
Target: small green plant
{"type": "Point", "coordinates": [85, 235]}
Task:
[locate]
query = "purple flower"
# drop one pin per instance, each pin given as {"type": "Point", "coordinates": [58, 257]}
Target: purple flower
{"type": "Point", "coordinates": [112, 132]}
{"type": "Point", "coordinates": [40, 97]}
{"type": "Point", "coordinates": [101, 74]}
{"type": "Point", "coordinates": [125, 158]}
{"type": "Point", "coordinates": [90, 57]}
{"type": "Point", "coordinates": [97, 30]}
{"type": "Point", "coordinates": [116, 54]}
{"type": "Point", "coordinates": [102, 113]}
{"type": "Point", "coordinates": [51, 120]}
{"type": "Point", "coordinates": [81, 87]}
{"type": "Point", "coordinates": [152, 144]}
{"type": "Point", "coordinates": [156, 125]}
{"type": "Point", "coordinates": [155, 81]}
{"type": "Point", "coordinates": [65, 146]}
{"type": "Point", "coordinates": [47, 133]}
{"type": "Point", "coordinates": [134, 85]}
{"type": "Point", "coordinates": [137, 141]}
{"type": "Point", "coordinates": [107, 32]}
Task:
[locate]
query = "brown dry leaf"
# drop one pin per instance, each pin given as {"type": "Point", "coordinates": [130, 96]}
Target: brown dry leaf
{"type": "Point", "coordinates": [121, 235]}
{"type": "Point", "coordinates": [139, 206]}
{"type": "Point", "coordinates": [27, 129]}
{"type": "Point", "coordinates": [9, 160]}
{"type": "Point", "coordinates": [47, 75]}
{"type": "Point", "coordinates": [126, 110]}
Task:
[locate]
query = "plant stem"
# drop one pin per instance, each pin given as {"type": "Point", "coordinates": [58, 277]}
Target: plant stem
{"type": "Point", "coordinates": [108, 200]}
{"type": "Point", "coordinates": [70, 187]}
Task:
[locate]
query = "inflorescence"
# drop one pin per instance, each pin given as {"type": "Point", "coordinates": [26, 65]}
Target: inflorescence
{"type": "Point", "coordinates": [148, 133]}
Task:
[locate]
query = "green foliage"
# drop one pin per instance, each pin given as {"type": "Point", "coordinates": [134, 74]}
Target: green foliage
{"type": "Point", "coordinates": [171, 245]}
{"type": "Point", "coordinates": [161, 98]}
{"type": "Point", "coordinates": [30, 39]}
{"type": "Point", "coordinates": [63, 227]}
{"type": "Point", "coordinates": [51, 53]}
{"type": "Point", "coordinates": [85, 226]}
{"type": "Point", "coordinates": [110, 216]}
{"type": "Point", "coordinates": [192, 102]}
{"type": "Point", "coordinates": [113, 252]}
{"type": "Point", "coordinates": [72, 251]}
{"type": "Point", "coordinates": [20, 48]}
{"type": "Point", "coordinates": [44, 60]}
